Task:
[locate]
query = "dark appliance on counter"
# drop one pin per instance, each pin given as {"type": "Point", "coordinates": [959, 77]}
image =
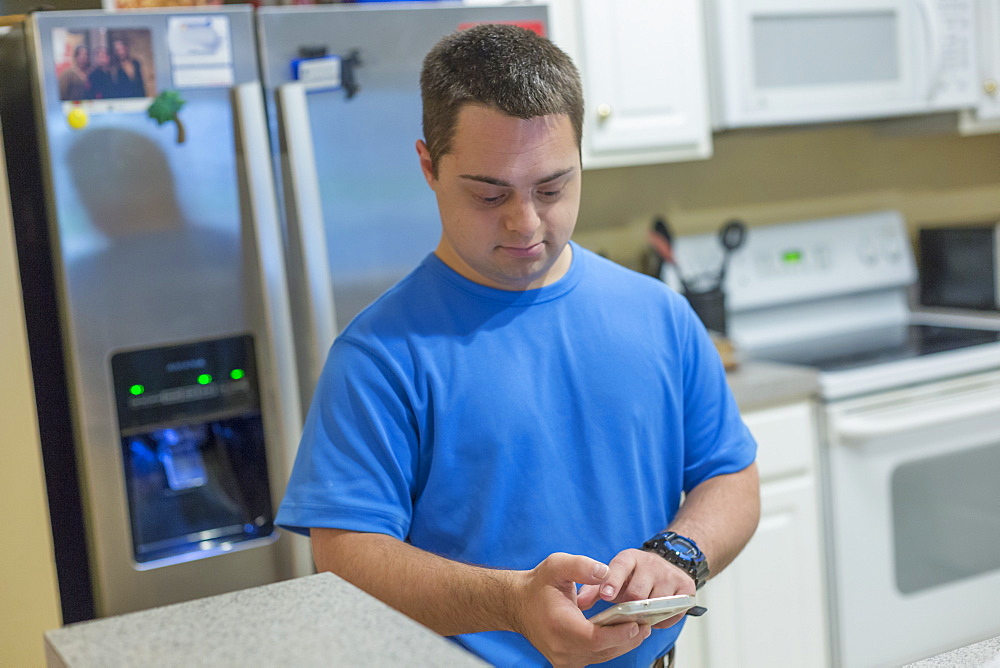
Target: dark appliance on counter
{"type": "Point", "coordinates": [960, 266]}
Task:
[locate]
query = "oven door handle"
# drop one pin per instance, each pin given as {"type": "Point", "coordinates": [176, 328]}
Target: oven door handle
{"type": "Point", "coordinates": [919, 416]}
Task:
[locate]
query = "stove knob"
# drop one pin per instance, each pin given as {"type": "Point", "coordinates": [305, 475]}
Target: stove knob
{"type": "Point", "coordinates": [892, 248]}
{"type": "Point", "coordinates": [868, 251]}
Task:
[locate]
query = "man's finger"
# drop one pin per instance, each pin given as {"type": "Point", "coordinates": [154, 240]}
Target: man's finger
{"type": "Point", "coordinates": [619, 571]}
{"type": "Point", "coordinates": [667, 623]}
{"type": "Point", "coordinates": [620, 637]}
{"type": "Point", "coordinates": [587, 596]}
{"type": "Point", "coordinates": [576, 568]}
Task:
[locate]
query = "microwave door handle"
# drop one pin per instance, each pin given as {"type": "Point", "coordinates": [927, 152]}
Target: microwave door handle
{"type": "Point", "coordinates": [281, 401]}
{"type": "Point", "coordinates": [307, 243]}
{"type": "Point", "coordinates": [922, 415]}
{"type": "Point", "coordinates": [935, 53]}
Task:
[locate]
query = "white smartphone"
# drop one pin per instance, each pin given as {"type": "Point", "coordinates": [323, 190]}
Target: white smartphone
{"type": "Point", "coordinates": [647, 611]}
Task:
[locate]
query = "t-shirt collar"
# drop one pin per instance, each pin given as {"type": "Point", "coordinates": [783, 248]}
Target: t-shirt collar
{"type": "Point", "coordinates": [545, 293]}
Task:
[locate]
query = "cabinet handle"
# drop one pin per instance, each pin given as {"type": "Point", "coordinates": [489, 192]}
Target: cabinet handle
{"type": "Point", "coordinates": [603, 111]}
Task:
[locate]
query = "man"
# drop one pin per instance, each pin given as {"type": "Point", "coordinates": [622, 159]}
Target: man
{"type": "Point", "coordinates": [518, 415]}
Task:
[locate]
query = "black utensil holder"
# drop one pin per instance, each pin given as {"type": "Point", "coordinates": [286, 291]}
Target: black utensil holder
{"type": "Point", "coordinates": [710, 306]}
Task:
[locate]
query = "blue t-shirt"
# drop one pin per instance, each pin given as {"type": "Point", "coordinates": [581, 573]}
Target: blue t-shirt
{"type": "Point", "coordinates": [496, 427]}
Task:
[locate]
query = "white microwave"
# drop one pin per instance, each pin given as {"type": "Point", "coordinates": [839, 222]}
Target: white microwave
{"type": "Point", "coordinates": [778, 62]}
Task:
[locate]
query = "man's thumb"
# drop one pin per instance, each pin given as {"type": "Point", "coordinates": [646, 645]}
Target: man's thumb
{"type": "Point", "coordinates": [580, 569]}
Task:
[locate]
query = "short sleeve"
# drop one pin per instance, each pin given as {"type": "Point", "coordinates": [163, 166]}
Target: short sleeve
{"type": "Point", "coordinates": [355, 465]}
{"type": "Point", "coordinates": [716, 440]}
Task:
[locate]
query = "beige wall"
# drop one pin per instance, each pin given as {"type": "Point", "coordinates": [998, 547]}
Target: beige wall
{"type": "Point", "coordinates": [922, 167]}
{"type": "Point", "coordinates": [29, 599]}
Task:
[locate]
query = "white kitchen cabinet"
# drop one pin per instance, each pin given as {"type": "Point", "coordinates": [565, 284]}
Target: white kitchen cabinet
{"type": "Point", "coordinates": [769, 608]}
{"type": "Point", "coordinates": [643, 64]}
{"type": "Point", "coordinates": [986, 115]}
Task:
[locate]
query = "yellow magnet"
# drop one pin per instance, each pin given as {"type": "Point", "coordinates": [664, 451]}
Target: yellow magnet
{"type": "Point", "coordinates": [77, 118]}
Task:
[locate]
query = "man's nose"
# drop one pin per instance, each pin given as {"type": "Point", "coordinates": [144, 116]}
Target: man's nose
{"type": "Point", "coordinates": [522, 216]}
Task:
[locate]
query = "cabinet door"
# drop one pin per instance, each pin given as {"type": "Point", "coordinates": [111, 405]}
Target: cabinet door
{"type": "Point", "coordinates": [986, 116]}
{"type": "Point", "coordinates": [768, 608]}
{"type": "Point", "coordinates": [644, 72]}
{"type": "Point", "coordinates": [786, 439]}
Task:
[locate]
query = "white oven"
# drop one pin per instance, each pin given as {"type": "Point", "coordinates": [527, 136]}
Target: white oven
{"type": "Point", "coordinates": [797, 61]}
{"type": "Point", "coordinates": [909, 428]}
{"type": "Point", "coordinates": [914, 505]}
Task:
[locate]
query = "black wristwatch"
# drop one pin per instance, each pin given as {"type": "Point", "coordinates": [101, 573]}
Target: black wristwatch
{"type": "Point", "coordinates": [682, 552]}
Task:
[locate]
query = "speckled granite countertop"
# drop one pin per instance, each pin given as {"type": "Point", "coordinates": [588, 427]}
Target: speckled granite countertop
{"type": "Point", "coordinates": [985, 654]}
{"type": "Point", "coordinates": [761, 384]}
{"type": "Point", "coordinates": [319, 620]}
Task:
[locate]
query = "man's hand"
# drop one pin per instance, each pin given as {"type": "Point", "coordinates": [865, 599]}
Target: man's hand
{"type": "Point", "coordinates": [634, 575]}
{"type": "Point", "coordinates": [549, 616]}
{"type": "Point", "coordinates": [453, 598]}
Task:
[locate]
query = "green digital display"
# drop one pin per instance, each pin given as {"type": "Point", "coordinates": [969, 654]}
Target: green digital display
{"type": "Point", "coordinates": [136, 390]}
{"type": "Point", "coordinates": [236, 374]}
{"type": "Point", "coordinates": [791, 257]}
{"type": "Point", "coordinates": [204, 379]}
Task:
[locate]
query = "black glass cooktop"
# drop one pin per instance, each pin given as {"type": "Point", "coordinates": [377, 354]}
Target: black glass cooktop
{"type": "Point", "coordinates": [876, 346]}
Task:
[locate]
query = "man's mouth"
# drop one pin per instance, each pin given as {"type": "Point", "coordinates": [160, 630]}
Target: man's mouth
{"type": "Point", "coordinates": [524, 251]}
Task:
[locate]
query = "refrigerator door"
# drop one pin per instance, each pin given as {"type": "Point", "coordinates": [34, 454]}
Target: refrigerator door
{"type": "Point", "coordinates": [183, 413]}
{"type": "Point", "coordinates": [358, 213]}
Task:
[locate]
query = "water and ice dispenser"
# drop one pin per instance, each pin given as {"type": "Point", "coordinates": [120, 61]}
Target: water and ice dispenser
{"type": "Point", "coordinates": [193, 450]}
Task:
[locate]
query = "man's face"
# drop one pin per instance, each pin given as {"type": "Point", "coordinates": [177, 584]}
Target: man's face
{"type": "Point", "coordinates": [82, 58]}
{"type": "Point", "coordinates": [508, 193]}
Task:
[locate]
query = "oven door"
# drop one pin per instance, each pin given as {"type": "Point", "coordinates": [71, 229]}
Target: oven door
{"type": "Point", "coordinates": [914, 506]}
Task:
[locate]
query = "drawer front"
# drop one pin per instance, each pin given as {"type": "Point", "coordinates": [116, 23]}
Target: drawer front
{"type": "Point", "coordinates": [786, 439]}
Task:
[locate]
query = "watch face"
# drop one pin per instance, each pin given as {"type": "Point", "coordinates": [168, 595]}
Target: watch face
{"type": "Point", "coordinates": [682, 547]}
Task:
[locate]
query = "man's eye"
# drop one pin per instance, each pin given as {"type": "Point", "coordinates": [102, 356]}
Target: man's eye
{"type": "Point", "coordinates": [550, 194]}
{"type": "Point", "coordinates": [492, 200]}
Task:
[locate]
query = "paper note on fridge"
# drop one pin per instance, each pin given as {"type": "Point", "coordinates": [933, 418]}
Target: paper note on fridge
{"type": "Point", "coordinates": [199, 41]}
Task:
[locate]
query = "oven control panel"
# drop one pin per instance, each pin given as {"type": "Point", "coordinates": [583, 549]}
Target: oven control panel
{"type": "Point", "coordinates": [793, 262]}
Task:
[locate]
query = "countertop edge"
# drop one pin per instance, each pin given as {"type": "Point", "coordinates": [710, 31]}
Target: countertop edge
{"type": "Point", "coordinates": [757, 384]}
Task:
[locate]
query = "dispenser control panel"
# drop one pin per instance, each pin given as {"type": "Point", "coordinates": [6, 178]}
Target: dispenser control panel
{"type": "Point", "coordinates": [193, 451]}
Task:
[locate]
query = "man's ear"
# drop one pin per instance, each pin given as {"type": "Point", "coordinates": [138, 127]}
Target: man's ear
{"type": "Point", "coordinates": [426, 165]}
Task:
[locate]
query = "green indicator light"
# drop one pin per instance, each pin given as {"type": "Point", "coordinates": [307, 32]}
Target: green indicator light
{"type": "Point", "coordinates": [204, 379]}
{"type": "Point", "coordinates": [236, 374]}
{"type": "Point", "coordinates": [792, 257]}
{"type": "Point", "coordinates": [136, 390]}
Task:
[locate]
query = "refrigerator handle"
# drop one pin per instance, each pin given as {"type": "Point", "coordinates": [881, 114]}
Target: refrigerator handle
{"type": "Point", "coordinates": [307, 244]}
{"type": "Point", "coordinates": [266, 248]}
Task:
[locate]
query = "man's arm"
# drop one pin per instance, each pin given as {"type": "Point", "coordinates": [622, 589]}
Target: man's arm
{"type": "Point", "coordinates": [452, 597]}
{"type": "Point", "coordinates": [720, 515]}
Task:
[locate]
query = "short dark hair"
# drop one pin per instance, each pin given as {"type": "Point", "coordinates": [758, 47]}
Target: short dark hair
{"type": "Point", "coordinates": [500, 66]}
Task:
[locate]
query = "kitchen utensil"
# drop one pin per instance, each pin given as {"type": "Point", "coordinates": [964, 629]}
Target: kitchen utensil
{"type": "Point", "coordinates": [662, 239]}
{"type": "Point", "coordinates": [732, 236]}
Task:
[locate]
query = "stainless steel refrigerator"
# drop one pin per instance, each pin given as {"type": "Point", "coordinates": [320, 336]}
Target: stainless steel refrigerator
{"type": "Point", "coordinates": [343, 97]}
{"type": "Point", "coordinates": [145, 202]}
